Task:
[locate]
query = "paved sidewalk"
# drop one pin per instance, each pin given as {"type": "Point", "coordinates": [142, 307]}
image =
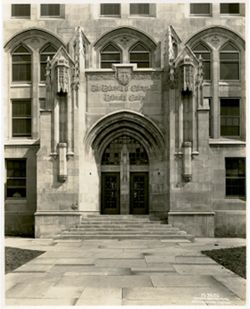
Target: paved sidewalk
{"type": "Point", "coordinates": [126, 272]}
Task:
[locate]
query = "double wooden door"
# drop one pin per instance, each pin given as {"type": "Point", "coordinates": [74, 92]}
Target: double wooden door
{"type": "Point", "coordinates": [111, 193]}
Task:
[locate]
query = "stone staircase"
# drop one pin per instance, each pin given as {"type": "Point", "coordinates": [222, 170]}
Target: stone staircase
{"type": "Point", "coordinates": [123, 227]}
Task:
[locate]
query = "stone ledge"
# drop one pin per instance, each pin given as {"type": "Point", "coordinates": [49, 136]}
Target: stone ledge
{"type": "Point", "coordinates": [57, 213]}
{"type": "Point", "coordinates": [191, 213]}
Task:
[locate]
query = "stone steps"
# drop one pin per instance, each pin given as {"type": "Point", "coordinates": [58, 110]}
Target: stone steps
{"type": "Point", "coordinates": [122, 227]}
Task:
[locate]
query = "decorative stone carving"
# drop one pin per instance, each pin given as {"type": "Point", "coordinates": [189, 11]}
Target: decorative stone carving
{"type": "Point", "coordinates": [62, 75]}
{"type": "Point", "coordinates": [187, 75]}
{"type": "Point", "coordinates": [124, 40]}
{"type": "Point", "coordinates": [215, 41]}
{"type": "Point", "coordinates": [200, 82]}
{"type": "Point", "coordinates": [123, 74]}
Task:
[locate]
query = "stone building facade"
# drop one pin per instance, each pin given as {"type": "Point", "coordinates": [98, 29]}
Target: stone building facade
{"type": "Point", "coordinates": [124, 109]}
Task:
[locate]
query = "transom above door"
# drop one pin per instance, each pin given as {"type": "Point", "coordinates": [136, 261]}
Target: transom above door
{"type": "Point", "coordinates": [124, 180]}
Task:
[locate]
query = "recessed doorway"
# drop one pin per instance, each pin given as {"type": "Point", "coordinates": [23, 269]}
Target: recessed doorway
{"type": "Point", "coordinates": [124, 177]}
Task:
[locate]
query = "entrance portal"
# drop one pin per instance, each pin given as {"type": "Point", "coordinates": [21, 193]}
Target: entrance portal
{"type": "Point", "coordinates": [124, 178]}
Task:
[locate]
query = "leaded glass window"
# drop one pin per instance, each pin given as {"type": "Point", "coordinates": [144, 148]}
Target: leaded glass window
{"type": "Point", "coordinates": [137, 153]}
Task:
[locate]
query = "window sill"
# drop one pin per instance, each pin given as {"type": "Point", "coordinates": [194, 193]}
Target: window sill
{"type": "Point", "coordinates": [20, 17]}
{"type": "Point", "coordinates": [20, 84]}
{"type": "Point", "coordinates": [109, 16]}
{"type": "Point", "coordinates": [141, 16]}
{"type": "Point", "coordinates": [229, 82]}
{"type": "Point", "coordinates": [200, 15]}
{"type": "Point", "coordinates": [22, 141]}
{"type": "Point", "coordinates": [238, 198]}
{"type": "Point", "coordinates": [226, 141]}
{"type": "Point", "coordinates": [13, 200]}
{"type": "Point", "coordinates": [230, 14]}
{"type": "Point", "coordinates": [51, 17]}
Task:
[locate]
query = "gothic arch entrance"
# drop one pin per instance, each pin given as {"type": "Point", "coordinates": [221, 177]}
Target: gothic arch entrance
{"type": "Point", "coordinates": [127, 149]}
{"type": "Point", "coordinates": [124, 177]}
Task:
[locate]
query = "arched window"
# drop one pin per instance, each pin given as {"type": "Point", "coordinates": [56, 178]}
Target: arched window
{"type": "Point", "coordinates": [141, 55]}
{"type": "Point", "coordinates": [202, 50]}
{"type": "Point", "coordinates": [229, 62]}
{"type": "Point", "coordinates": [110, 54]}
{"type": "Point", "coordinates": [21, 64]}
{"type": "Point", "coordinates": [47, 51]}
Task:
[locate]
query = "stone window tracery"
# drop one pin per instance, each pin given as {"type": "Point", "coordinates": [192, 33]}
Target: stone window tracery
{"type": "Point", "coordinates": [224, 50]}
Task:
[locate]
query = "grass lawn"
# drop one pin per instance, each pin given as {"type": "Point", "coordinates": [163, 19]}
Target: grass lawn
{"type": "Point", "coordinates": [15, 257]}
{"type": "Point", "coordinates": [231, 258]}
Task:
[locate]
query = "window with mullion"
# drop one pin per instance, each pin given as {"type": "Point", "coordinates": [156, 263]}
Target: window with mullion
{"type": "Point", "coordinates": [21, 118]}
{"type": "Point", "coordinates": [16, 178]}
{"type": "Point", "coordinates": [21, 64]}
{"type": "Point", "coordinates": [235, 177]}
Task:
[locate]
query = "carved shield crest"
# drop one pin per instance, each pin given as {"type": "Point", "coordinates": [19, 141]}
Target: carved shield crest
{"type": "Point", "coordinates": [123, 75]}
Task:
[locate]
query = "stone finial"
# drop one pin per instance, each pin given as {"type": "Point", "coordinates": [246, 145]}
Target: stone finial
{"type": "Point", "coordinates": [171, 57]}
{"type": "Point", "coordinates": [171, 53]}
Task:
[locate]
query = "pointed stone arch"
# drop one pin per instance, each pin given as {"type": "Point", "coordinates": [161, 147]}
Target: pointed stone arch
{"type": "Point", "coordinates": [216, 31]}
{"type": "Point", "coordinates": [122, 31]}
{"type": "Point", "coordinates": [129, 123]}
{"type": "Point", "coordinates": [35, 33]}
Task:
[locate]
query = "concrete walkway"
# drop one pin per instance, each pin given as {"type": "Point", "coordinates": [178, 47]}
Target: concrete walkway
{"type": "Point", "coordinates": [126, 272]}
